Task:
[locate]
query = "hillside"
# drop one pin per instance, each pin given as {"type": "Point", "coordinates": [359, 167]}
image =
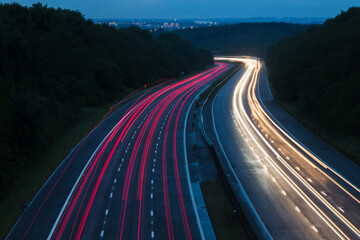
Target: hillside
{"type": "Point", "coordinates": [55, 64]}
{"type": "Point", "coordinates": [317, 73]}
{"type": "Point", "coordinates": [242, 38]}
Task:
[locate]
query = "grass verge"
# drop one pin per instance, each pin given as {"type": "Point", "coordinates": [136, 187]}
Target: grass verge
{"type": "Point", "coordinates": [225, 222]}
{"type": "Point", "coordinates": [34, 176]}
{"type": "Point", "coordinates": [347, 145]}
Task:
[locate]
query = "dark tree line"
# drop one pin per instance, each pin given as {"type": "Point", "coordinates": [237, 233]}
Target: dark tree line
{"type": "Point", "coordinates": [241, 38]}
{"type": "Point", "coordinates": [318, 71]}
{"type": "Point", "coordinates": [54, 62]}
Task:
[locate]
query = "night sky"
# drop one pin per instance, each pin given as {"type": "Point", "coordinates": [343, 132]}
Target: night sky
{"type": "Point", "coordinates": [201, 8]}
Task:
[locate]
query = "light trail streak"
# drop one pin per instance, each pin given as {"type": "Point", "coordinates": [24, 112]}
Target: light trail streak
{"type": "Point", "coordinates": [88, 182]}
{"type": "Point", "coordinates": [251, 78]}
{"type": "Point", "coordinates": [256, 106]}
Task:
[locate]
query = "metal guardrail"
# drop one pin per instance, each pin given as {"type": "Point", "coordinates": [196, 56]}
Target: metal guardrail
{"type": "Point", "coordinates": [244, 209]}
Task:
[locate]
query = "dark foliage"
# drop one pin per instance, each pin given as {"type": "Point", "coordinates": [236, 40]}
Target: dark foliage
{"type": "Point", "coordinates": [53, 63]}
{"type": "Point", "coordinates": [241, 38]}
{"type": "Point", "coordinates": [319, 72]}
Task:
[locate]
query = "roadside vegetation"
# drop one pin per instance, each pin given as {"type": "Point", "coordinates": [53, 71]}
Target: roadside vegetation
{"type": "Point", "coordinates": [59, 73]}
{"type": "Point", "coordinates": [241, 38]}
{"type": "Point", "coordinates": [316, 76]}
{"type": "Point", "coordinates": [225, 221]}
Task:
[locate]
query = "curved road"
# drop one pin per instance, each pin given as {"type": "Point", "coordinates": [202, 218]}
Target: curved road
{"type": "Point", "coordinates": [128, 178]}
{"type": "Point", "coordinates": [296, 194]}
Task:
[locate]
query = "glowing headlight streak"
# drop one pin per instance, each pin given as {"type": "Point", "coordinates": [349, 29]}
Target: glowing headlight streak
{"type": "Point", "coordinates": [253, 100]}
{"type": "Point", "coordinates": [254, 66]}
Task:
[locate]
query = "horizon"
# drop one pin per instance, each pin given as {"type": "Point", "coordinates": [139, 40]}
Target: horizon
{"type": "Point", "coordinates": [199, 9]}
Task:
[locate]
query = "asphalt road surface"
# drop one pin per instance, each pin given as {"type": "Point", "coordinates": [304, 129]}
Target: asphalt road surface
{"type": "Point", "coordinates": [297, 194]}
{"type": "Point", "coordinates": [128, 179]}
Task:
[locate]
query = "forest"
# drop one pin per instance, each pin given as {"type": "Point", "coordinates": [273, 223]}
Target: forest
{"type": "Point", "coordinates": [318, 73]}
{"type": "Point", "coordinates": [54, 63]}
{"type": "Point", "coordinates": [241, 38]}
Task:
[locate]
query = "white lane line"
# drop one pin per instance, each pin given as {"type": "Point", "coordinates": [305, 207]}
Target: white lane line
{"type": "Point", "coordinates": [77, 181]}
{"type": "Point", "coordinates": [187, 168]}
{"type": "Point", "coordinates": [341, 209]}
{"type": "Point", "coordinates": [102, 233]}
{"type": "Point", "coordinates": [297, 209]}
{"type": "Point", "coordinates": [107, 212]}
{"type": "Point", "coordinates": [152, 234]}
{"type": "Point", "coordinates": [151, 213]}
{"type": "Point", "coordinates": [314, 228]}
{"type": "Point", "coordinates": [111, 194]}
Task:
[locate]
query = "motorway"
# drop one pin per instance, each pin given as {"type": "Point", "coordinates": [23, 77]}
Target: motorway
{"type": "Point", "coordinates": [128, 179]}
{"type": "Point", "coordinates": [296, 194]}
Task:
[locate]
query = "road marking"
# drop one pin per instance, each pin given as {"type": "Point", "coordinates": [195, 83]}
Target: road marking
{"type": "Point", "coordinates": [152, 234]}
{"type": "Point", "coordinates": [102, 233]}
{"type": "Point", "coordinates": [297, 209]}
{"type": "Point", "coordinates": [77, 181]}
{"type": "Point", "coordinates": [314, 228]}
{"type": "Point", "coordinates": [151, 213]}
{"type": "Point", "coordinates": [107, 211]}
{"type": "Point", "coordinates": [283, 192]}
{"type": "Point", "coordinates": [111, 195]}
{"type": "Point", "coordinates": [340, 208]}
